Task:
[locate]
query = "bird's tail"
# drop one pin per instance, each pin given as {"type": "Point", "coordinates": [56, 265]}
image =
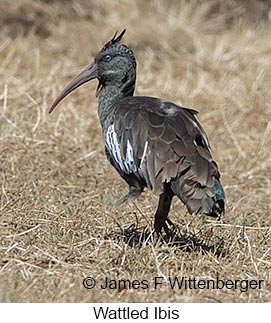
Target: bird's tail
{"type": "Point", "coordinates": [200, 199]}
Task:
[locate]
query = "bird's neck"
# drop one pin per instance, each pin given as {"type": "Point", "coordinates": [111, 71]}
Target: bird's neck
{"type": "Point", "coordinates": [110, 94]}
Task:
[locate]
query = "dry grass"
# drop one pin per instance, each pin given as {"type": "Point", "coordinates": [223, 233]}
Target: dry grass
{"type": "Point", "coordinates": [58, 220]}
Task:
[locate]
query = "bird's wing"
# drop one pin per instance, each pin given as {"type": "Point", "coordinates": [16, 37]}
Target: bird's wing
{"type": "Point", "coordinates": [160, 142]}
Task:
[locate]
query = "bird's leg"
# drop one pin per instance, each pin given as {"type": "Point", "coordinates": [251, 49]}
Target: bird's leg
{"type": "Point", "coordinates": [134, 192]}
{"type": "Point", "coordinates": [162, 213]}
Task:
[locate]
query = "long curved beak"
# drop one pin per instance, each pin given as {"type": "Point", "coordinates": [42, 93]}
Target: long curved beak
{"type": "Point", "coordinates": [89, 73]}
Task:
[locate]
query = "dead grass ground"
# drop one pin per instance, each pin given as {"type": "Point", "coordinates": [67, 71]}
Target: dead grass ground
{"type": "Point", "coordinates": [58, 220]}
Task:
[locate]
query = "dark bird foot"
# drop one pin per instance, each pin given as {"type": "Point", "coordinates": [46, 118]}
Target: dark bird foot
{"type": "Point", "coordinates": [133, 194]}
{"type": "Point", "coordinates": [169, 227]}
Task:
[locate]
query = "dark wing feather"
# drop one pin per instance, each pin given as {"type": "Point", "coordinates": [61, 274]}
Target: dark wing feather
{"type": "Point", "coordinates": [177, 151]}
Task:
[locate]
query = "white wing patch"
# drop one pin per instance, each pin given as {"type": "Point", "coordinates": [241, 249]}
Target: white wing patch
{"type": "Point", "coordinates": [129, 158]}
{"type": "Point", "coordinates": [143, 159]}
{"type": "Point", "coordinates": [127, 165]}
{"type": "Point", "coordinates": [112, 144]}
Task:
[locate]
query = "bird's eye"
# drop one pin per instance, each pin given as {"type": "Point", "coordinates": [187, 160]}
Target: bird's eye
{"type": "Point", "coordinates": [107, 58]}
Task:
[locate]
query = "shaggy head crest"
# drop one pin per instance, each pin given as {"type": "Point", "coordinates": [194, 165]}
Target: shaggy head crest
{"type": "Point", "coordinates": [115, 39]}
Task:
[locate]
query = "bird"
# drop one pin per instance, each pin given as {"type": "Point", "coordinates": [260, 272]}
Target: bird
{"type": "Point", "coordinates": [151, 142]}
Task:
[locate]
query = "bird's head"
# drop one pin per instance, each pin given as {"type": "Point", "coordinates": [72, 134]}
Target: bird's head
{"type": "Point", "coordinates": [114, 64]}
